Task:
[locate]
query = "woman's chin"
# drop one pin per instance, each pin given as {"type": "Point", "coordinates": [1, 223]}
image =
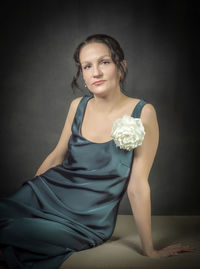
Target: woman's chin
{"type": "Point", "coordinates": [101, 91]}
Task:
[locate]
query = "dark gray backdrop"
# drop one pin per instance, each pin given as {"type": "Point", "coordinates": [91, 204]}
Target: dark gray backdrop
{"type": "Point", "coordinates": [160, 41]}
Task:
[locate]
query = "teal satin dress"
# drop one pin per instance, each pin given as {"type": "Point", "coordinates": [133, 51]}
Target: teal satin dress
{"type": "Point", "coordinates": [71, 207]}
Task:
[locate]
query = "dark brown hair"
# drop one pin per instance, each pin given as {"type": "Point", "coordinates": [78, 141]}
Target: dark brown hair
{"type": "Point", "coordinates": [117, 56]}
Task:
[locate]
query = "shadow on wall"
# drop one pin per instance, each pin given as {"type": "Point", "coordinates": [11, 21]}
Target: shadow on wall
{"type": "Point", "coordinates": [161, 47]}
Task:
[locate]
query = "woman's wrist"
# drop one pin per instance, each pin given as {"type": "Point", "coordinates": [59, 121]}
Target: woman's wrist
{"type": "Point", "coordinates": [148, 247]}
{"type": "Point", "coordinates": [149, 252]}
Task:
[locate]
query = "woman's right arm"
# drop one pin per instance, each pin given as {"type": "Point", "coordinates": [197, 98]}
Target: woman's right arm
{"type": "Point", "coordinates": [58, 154]}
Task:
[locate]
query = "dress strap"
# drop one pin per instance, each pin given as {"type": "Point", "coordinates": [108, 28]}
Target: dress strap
{"type": "Point", "coordinates": [78, 117]}
{"type": "Point", "coordinates": [138, 109]}
{"type": "Point", "coordinates": [81, 110]}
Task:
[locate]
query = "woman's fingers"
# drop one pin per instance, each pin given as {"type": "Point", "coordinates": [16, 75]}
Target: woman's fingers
{"type": "Point", "coordinates": [180, 247]}
{"type": "Point", "coordinates": [175, 249]}
{"type": "Point", "coordinates": [171, 250]}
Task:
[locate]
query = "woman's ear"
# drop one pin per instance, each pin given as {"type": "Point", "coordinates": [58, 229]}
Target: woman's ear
{"type": "Point", "coordinates": [81, 77]}
{"type": "Point", "coordinates": [124, 63]}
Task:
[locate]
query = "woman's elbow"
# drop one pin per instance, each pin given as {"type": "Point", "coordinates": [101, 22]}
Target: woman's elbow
{"type": "Point", "coordinates": [140, 188]}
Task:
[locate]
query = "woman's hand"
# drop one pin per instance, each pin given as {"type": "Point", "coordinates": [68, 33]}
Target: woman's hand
{"type": "Point", "coordinates": [171, 250]}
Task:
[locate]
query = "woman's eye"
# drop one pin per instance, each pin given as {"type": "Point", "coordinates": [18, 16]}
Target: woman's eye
{"type": "Point", "coordinates": [86, 67]}
{"type": "Point", "coordinates": [105, 62]}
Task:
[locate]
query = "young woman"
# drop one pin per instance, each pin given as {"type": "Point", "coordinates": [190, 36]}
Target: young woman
{"type": "Point", "coordinates": [72, 202]}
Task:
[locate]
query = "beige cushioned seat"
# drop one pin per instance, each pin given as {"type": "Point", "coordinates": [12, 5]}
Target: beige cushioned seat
{"type": "Point", "coordinates": [123, 249]}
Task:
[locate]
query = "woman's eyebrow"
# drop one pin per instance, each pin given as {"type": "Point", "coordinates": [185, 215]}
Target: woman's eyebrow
{"type": "Point", "coordinates": [97, 59]}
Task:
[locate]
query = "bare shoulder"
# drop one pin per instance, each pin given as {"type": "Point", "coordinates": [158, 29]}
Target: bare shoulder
{"type": "Point", "coordinates": [149, 115]}
{"type": "Point", "coordinates": [132, 100]}
{"type": "Point", "coordinates": [73, 107]}
{"type": "Point", "coordinates": [75, 102]}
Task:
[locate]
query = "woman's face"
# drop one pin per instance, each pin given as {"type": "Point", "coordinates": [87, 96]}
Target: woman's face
{"type": "Point", "coordinates": [98, 69]}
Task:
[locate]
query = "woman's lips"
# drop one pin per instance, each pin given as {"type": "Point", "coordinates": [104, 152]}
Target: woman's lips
{"type": "Point", "coordinates": [99, 82]}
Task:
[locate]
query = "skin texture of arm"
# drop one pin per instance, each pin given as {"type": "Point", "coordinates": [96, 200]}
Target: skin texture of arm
{"type": "Point", "coordinates": [58, 154]}
{"type": "Point", "coordinates": [138, 188]}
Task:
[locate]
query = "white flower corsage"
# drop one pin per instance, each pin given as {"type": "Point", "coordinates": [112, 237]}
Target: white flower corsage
{"type": "Point", "coordinates": [128, 132]}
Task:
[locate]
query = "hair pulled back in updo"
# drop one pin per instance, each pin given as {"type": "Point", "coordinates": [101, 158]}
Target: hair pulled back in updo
{"type": "Point", "coordinates": [117, 56]}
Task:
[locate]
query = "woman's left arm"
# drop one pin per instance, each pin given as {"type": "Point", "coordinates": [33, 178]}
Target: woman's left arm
{"type": "Point", "coordinates": [138, 188]}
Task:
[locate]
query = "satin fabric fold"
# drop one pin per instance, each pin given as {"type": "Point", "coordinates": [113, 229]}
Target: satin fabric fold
{"type": "Point", "coordinates": [71, 207]}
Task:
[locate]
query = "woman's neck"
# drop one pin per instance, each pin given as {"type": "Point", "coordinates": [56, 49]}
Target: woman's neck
{"type": "Point", "coordinates": [107, 104]}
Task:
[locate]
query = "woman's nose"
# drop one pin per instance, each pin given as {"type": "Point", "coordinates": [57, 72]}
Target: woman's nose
{"type": "Point", "coordinates": [97, 71]}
